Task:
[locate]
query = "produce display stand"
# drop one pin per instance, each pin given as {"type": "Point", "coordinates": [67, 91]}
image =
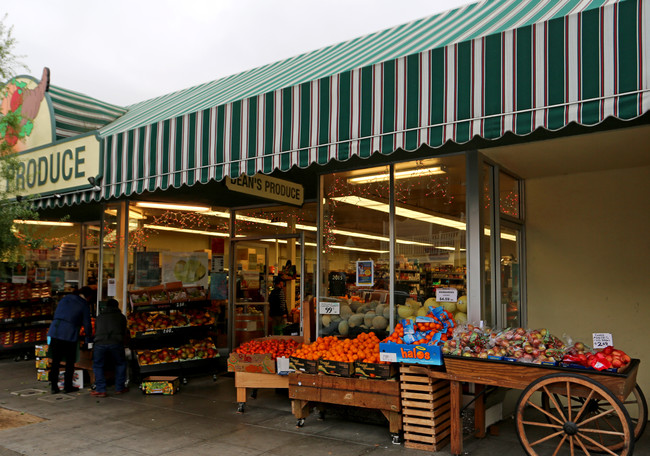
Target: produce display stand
{"type": "Point", "coordinates": [306, 390]}
{"type": "Point", "coordinates": [255, 380]}
{"type": "Point", "coordinates": [573, 403]}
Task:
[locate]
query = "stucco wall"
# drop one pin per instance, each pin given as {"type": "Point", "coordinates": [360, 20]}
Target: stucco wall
{"type": "Point", "coordinates": [588, 247]}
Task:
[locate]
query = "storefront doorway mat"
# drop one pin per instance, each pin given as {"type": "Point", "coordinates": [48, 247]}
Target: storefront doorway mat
{"type": "Point", "coordinates": [29, 392]}
{"type": "Point", "coordinates": [13, 419]}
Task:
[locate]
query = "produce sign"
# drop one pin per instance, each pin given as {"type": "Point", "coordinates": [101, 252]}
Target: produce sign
{"type": "Point", "coordinates": [274, 347]}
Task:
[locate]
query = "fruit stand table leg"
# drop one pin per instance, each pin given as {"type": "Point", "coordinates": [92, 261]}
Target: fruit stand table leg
{"type": "Point", "coordinates": [394, 425]}
{"type": "Point", "coordinates": [241, 399]}
{"type": "Point", "coordinates": [456, 422]}
{"type": "Point", "coordinates": [300, 410]}
{"type": "Point", "coordinates": [479, 411]}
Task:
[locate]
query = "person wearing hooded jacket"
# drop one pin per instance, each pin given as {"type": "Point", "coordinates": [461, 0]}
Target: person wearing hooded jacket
{"type": "Point", "coordinates": [72, 311]}
{"type": "Point", "coordinates": [110, 334]}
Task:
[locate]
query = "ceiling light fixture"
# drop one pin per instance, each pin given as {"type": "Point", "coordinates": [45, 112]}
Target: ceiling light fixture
{"type": "Point", "coordinates": [186, 230]}
{"type": "Point", "coordinates": [43, 223]}
{"type": "Point", "coordinates": [398, 175]}
{"type": "Point", "coordinates": [175, 207]}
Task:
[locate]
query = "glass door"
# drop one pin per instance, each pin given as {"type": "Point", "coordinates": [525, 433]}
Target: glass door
{"type": "Point", "coordinates": [249, 291]}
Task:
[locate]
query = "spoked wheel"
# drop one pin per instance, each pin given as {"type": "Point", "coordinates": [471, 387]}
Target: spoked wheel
{"type": "Point", "coordinates": [635, 404]}
{"type": "Point", "coordinates": [568, 427]}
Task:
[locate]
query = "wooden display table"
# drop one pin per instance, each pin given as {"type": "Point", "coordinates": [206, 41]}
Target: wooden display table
{"type": "Point", "coordinates": [254, 380]}
{"type": "Point", "coordinates": [382, 395]}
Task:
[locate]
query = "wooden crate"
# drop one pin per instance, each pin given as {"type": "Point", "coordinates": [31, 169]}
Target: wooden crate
{"type": "Point", "coordinates": [425, 409]}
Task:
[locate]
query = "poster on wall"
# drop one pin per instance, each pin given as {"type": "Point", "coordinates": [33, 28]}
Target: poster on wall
{"type": "Point", "coordinates": [57, 278]}
{"type": "Point", "coordinates": [40, 275]}
{"type": "Point", "coordinates": [147, 269]}
{"type": "Point", "coordinates": [365, 273]}
{"type": "Point", "coordinates": [19, 273]}
{"type": "Point", "coordinates": [218, 285]}
{"type": "Point", "coordinates": [191, 268]}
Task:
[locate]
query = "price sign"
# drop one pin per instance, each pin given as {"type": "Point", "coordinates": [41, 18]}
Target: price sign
{"type": "Point", "coordinates": [602, 340]}
{"type": "Point", "coordinates": [446, 295]}
{"type": "Point", "coordinates": [329, 308]}
{"type": "Point", "coordinates": [388, 357]}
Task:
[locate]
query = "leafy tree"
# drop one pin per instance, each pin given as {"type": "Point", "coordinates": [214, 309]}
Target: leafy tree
{"type": "Point", "coordinates": [12, 205]}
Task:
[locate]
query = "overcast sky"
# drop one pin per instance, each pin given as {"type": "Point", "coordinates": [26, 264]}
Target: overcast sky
{"type": "Point", "coordinates": [126, 51]}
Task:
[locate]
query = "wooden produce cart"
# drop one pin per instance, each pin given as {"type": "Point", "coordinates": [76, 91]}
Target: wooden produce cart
{"type": "Point", "coordinates": [306, 390]}
{"type": "Point", "coordinates": [579, 411]}
{"type": "Point", "coordinates": [254, 371]}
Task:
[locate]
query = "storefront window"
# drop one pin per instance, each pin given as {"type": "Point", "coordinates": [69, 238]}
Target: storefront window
{"type": "Point", "coordinates": [50, 255]}
{"type": "Point", "coordinates": [509, 195]}
{"type": "Point", "coordinates": [355, 257]}
{"type": "Point", "coordinates": [510, 275]}
{"type": "Point", "coordinates": [430, 228]}
{"type": "Point", "coordinates": [487, 306]}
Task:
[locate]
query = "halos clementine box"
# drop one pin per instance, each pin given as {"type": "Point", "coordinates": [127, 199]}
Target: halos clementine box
{"type": "Point", "coordinates": [407, 353]}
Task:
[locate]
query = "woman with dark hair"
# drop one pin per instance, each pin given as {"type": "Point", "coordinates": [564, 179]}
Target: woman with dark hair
{"type": "Point", "coordinates": [110, 336]}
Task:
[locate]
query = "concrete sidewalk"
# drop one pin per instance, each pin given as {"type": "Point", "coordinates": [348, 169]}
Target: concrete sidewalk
{"type": "Point", "coordinates": [200, 420]}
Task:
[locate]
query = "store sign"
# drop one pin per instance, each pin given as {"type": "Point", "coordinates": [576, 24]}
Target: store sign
{"type": "Point", "coordinates": [64, 166]}
{"type": "Point", "coordinates": [268, 187]}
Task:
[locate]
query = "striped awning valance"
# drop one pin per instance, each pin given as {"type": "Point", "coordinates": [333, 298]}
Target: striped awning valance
{"type": "Point", "coordinates": [548, 65]}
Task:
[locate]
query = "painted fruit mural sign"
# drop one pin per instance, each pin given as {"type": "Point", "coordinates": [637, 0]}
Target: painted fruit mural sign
{"type": "Point", "coordinates": [23, 97]}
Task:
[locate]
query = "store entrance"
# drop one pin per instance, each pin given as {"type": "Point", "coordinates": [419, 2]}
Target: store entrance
{"type": "Point", "coordinates": [254, 264]}
{"type": "Point", "coordinates": [250, 294]}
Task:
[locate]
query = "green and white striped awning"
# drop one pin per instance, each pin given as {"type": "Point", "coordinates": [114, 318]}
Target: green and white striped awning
{"type": "Point", "coordinates": [486, 69]}
{"type": "Point", "coordinates": [76, 113]}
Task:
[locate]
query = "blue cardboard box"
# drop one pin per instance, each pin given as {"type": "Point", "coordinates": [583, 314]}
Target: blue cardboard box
{"type": "Point", "coordinates": [410, 353]}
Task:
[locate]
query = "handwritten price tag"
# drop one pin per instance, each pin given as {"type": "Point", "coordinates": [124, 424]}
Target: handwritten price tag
{"type": "Point", "coordinates": [329, 308]}
{"type": "Point", "coordinates": [602, 340]}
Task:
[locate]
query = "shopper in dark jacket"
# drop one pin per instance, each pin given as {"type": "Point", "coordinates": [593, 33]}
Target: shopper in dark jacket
{"type": "Point", "coordinates": [110, 334]}
{"type": "Point", "coordinates": [71, 313]}
{"type": "Point", "coordinates": [277, 304]}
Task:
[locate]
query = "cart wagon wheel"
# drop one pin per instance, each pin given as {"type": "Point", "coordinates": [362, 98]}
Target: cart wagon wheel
{"type": "Point", "coordinates": [635, 404]}
{"type": "Point", "coordinates": [570, 431]}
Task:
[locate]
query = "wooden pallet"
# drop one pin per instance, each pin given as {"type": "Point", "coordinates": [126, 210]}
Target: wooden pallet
{"type": "Point", "coordinates": [425, 410]}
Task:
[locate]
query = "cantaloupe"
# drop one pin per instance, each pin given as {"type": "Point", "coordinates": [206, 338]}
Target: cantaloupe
{"type": "Point", "coordinates": [345, 312]}
{"type": "Point", "coordinates": [326, 320]}
{"type": "Point", "coordinates": [379, 322]}
{"type": "Point", "coordinates": [379, 310]}
{"type": "Point", "coordinates": [387, 312]}
{"type": "Point", "coordinates": [355, 320]}
{"type": "Point", "coordinates": [367, 318]}
{"type": "Point", "coordinates": [343, 328]}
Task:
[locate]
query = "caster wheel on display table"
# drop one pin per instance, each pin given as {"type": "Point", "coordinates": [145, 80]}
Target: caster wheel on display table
{"type": "Point", "coordinates": [214, 377]}
{"type": "Point", "coordinates": [184, 381]}
{"type": "Point", "coordinates": [395, 439]}
{"type": "Point", "coordinates": [300, 423]}
{"type": "Point", "coordinates": [240, 407]}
